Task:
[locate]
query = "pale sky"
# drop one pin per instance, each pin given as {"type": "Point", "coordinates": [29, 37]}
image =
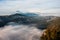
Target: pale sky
{"type": "Point", "coordinates": [41, 6]}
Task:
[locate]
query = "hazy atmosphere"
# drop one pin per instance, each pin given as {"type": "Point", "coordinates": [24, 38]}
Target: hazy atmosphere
{"type": "Point", "coordinates": [29, 19]}
{"type": "Point", "coordinates": [49, 7]}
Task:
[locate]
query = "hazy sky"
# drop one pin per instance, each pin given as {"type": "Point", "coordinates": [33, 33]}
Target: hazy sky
{"type": "Point", "coordinates": [43, 6]}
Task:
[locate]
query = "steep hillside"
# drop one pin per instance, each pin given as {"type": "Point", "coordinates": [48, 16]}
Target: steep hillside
{"type": "Point", "coordinates": [53, 30]}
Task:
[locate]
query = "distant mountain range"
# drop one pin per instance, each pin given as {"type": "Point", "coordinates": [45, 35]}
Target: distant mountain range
{"type": "Point", "coordinates": [26, 19]}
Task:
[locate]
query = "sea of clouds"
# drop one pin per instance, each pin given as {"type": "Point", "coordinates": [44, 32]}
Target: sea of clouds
{"type": "Point", "coordinates": [20, 32]}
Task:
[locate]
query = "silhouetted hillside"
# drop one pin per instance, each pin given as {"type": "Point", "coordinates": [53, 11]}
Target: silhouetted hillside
{"type": "Point", "coordinates": [26, 19]}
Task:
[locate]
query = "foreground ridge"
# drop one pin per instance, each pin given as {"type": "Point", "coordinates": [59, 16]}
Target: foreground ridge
{"type": "Point", "coordinates": [53, 30]}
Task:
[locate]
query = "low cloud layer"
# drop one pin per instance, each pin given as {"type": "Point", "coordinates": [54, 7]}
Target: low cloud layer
{"type": "Point", "coordinates": [20, 32]}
